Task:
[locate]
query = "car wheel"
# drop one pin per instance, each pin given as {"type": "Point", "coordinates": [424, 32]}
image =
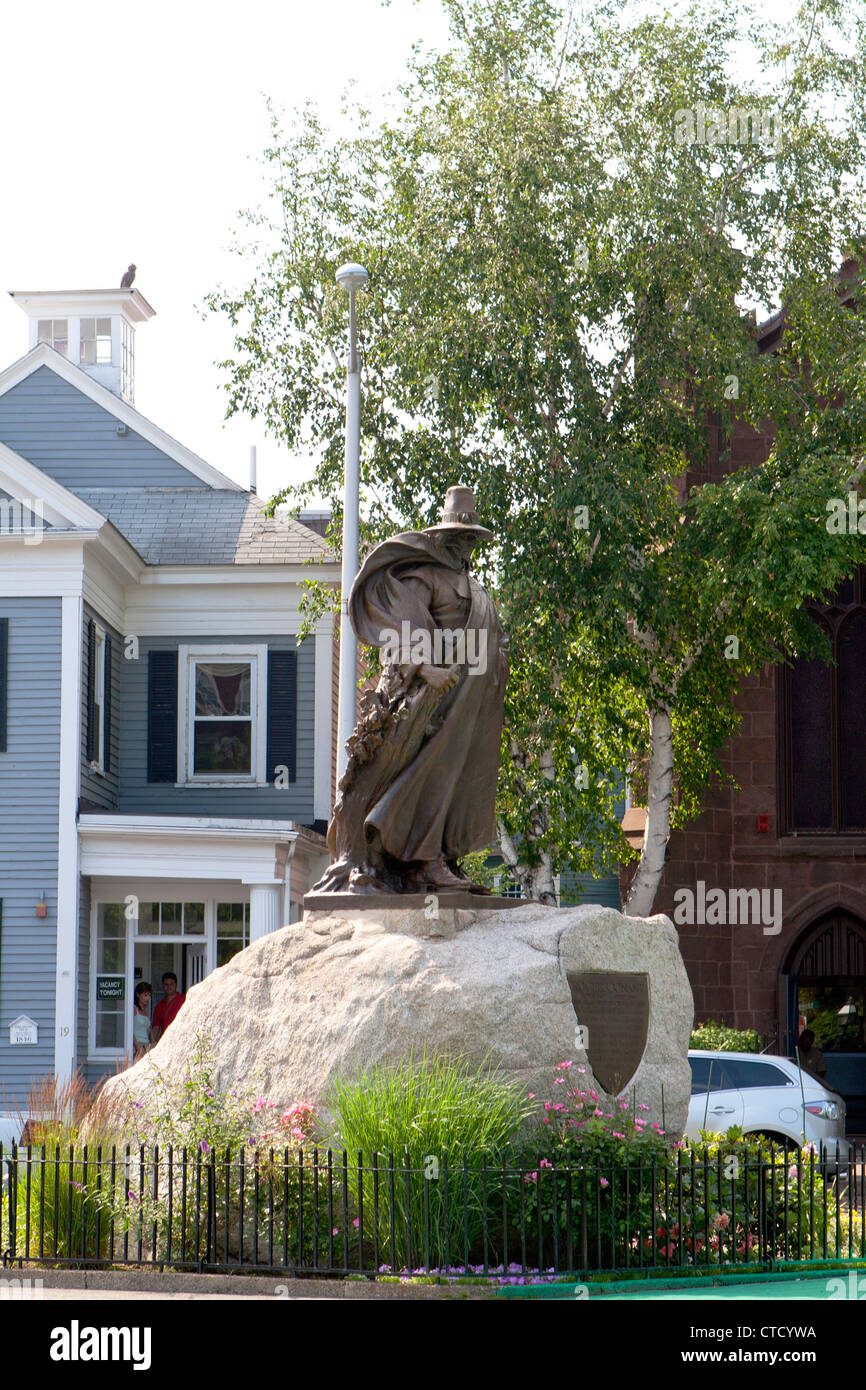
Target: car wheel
{"type": "Point", "coordinates": [787, 1144]}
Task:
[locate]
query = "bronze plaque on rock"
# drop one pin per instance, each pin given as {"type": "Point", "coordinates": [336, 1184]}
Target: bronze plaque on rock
{"type": "Point", "coordinates": [614, 1009]}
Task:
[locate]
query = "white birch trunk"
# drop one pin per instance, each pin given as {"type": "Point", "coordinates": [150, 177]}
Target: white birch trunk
{"type": "Point", "coordinates": [537, 882]}
{"type": "Point", "coordinates": [660, 776]}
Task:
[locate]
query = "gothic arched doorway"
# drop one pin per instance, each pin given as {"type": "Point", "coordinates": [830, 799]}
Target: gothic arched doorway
{"type": "Point", "coordinates": [825, 978]}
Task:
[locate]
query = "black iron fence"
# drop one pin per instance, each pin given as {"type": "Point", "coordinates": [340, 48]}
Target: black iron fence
{"type": "Point", "coordinates": [320, 1212]}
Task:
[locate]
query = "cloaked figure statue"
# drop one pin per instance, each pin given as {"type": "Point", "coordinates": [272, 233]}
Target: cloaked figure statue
{"type": "Point", "coordinates": [419, 791]}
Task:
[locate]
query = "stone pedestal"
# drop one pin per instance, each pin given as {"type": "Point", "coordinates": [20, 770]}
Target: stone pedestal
{"type": "Point", "coordinates": [337, 992]}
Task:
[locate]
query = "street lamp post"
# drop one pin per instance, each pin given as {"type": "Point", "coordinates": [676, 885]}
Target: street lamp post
{"type": "Point", "coordinates": [351, 278]}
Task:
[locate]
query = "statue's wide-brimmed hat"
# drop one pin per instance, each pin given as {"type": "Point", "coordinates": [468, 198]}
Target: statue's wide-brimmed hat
{"type": "Point", "coordinates": [459, 514]}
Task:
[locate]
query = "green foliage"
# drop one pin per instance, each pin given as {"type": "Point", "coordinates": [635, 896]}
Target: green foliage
{"type": "Point", "coordinates": [193, 1135]}
{"type": "Point", "coordinates": [59, 1209]}
{"type": "Point", "coordinates": [434, 1116]}
{"type": "Point", "coordinates": [719, 1037]}
{"type": "Point", "coordinates": [561, 294]}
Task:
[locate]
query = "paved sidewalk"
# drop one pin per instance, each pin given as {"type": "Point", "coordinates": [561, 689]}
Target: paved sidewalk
{"type": "Point", "coordinates": [71, 1284]}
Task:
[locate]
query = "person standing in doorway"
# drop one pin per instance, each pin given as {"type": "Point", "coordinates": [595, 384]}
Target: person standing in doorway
{"type": "Point", "coordinates": [141, 1029]}
{"type": "Point", "coordinates": [168, 1008]}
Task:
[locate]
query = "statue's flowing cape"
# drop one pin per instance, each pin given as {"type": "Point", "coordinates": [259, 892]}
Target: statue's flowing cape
{"type": "Point", "coordinates": [435, 791]}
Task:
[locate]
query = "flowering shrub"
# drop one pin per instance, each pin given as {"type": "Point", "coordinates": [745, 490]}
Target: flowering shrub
{"type": "Point", "coordinates": [599, 1140]}
{"type": "Point", "coordinates": [195, 1138]}
{"type": "Point", "coordinates": [744, 1198]}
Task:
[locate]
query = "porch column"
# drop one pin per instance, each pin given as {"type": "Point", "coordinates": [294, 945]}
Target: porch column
{"type": "Point", "coordinates": [265, 907]}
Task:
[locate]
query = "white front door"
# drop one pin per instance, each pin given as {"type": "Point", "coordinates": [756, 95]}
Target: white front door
{"type": "Point", "coordinates": [196, 960]}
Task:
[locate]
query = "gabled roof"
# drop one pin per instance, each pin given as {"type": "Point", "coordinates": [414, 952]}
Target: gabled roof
{"type": "Point", "coordinates": [199, 526]}
{"type": "Point", "coordinates": [61, 508]}
{"type": "Point", "coordinates": [45, 356]}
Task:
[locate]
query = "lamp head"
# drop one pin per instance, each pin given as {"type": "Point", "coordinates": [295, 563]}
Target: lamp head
{"type": "Point", "coordinates": [351, 276]}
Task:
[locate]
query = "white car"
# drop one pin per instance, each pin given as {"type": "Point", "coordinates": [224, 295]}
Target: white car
{"type": "Point", "coordinates": [763, 1095]}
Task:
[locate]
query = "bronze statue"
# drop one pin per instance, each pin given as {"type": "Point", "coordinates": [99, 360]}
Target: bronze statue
{"type": "Point", "coordinates": [419, 791]}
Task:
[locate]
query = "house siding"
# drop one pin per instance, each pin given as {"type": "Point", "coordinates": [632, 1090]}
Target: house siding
{"type": "Point", "coordinates": [138, 797]}
{"type": "Point", "coordinates": [29, 791]}
{"type": "Point", "coordinates": [61, 430]}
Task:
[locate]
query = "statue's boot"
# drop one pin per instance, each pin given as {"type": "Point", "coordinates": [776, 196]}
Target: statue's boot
{"type": "Point", "coordinates": [436, 874]}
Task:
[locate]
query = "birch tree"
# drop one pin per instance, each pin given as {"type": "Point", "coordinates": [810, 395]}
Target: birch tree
{"type": "Point", "coordinates": [571, 223]}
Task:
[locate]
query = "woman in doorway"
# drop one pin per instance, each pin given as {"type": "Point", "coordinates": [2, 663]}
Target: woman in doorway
{"type": "Point", "coordinates": [141, 1029]}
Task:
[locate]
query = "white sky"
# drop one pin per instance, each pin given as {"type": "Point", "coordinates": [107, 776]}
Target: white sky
{"type": "Point", "coordinates": [132, 133]}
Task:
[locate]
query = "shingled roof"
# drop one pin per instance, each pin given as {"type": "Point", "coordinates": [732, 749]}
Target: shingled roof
{"type": "Point", "coordinates": [204, 526]}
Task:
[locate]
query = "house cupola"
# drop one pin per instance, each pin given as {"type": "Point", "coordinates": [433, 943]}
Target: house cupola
{"type": "Point", "coordinates": [94, 329]}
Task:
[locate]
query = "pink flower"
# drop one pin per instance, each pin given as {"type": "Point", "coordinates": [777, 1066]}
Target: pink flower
{"type": "Point", "coordinates": [563, 1066]}
{"type": "Point", "coordinates": [335, 1231]}
{"type": "Point", "coordinates": [616, 1134]}
{"type": "Point", "coordinates": [260, 1104]}
{"type": "Point", "coordinates": [598, 1112]}
{"type": "Point", "coordinates": [603, 1182]}
{"type": "Point", "coordinates": [356, 1223]}
{"type": "Point", "coordinates": [545, 1163]}
{"type": "Point", "coordinates": [643, 1107]}
{"type": "Point", "coordinates": [559, 1081]}
{"type": "Point", "coordinates": [531, 1095]}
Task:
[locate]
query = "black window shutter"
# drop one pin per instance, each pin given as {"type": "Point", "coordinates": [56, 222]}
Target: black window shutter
{"type": "Point", "coordinates": [162, 716]}
{"type": "Point", "coordinates": [282, 713]}
{"type": "Point", "coordinates": [106, 752]}
{"type": "Point", "coordinates": [91, 690]}
{"type": "Point", "coordinates": [4, 679]}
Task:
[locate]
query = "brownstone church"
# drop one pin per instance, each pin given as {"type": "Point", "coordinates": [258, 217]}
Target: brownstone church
{"type": "Point", "coordinates": [783, 944]}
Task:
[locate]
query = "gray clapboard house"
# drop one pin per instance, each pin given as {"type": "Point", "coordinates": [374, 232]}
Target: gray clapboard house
{"type": "Point", "coordinates": [166, 745]}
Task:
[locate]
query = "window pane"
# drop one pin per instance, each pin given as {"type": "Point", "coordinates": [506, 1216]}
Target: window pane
{"type": "Point", "coordinates": [810, 745]}
{"type": "Point", "coordinates": [223, 746]}
{"type": "Point", "coordinates": [228, 947]}
{"type": "Point", "coordinates": [703, 1078]}
{"type": "Point", "coordinates": [148, 919]}
{"type": "Point", "coordinates": [230, 916]}
{"type": "Point", "coordinates": [44, 333]}
{"type": "Point", "coordinates": [112, 957]}
{"type": "Point", "coordinates": [222, 689]}
{"type": "Point", "coordinates": [111, 920]}
{"type": "Point", "coordinates": [193, 919]}
{"type": "Point", "coordinates": [110, 1028]}
{"type": "Point", "coordinates": [852, 702]}
{"type": "Point", "coordinates": [747, 1075]}
{"type": "Point", "coordinates": [171, 919]}
{"type": "Point", "coordinates": [103, 327]}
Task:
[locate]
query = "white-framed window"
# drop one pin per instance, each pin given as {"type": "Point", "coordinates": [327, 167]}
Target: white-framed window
{"type": "Point", "coordinates": [136, 936]}
{"type": "Point", "coordinates": [127, 362]}
{"type": "Point", "coordinates": [232, 930]}
{"type": "Point", "coordinates": [177, 920]}
{"type": "Point", "coordinates": [54, 332]}
{"type": "Point", "coordinates": [223, 715]}
{"type": "Point", "coordinates": [109, 976]}
{"type": "Point", "coordinates": [95, 341]}
{"type": "Point", "coordinates": [99, 730]}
